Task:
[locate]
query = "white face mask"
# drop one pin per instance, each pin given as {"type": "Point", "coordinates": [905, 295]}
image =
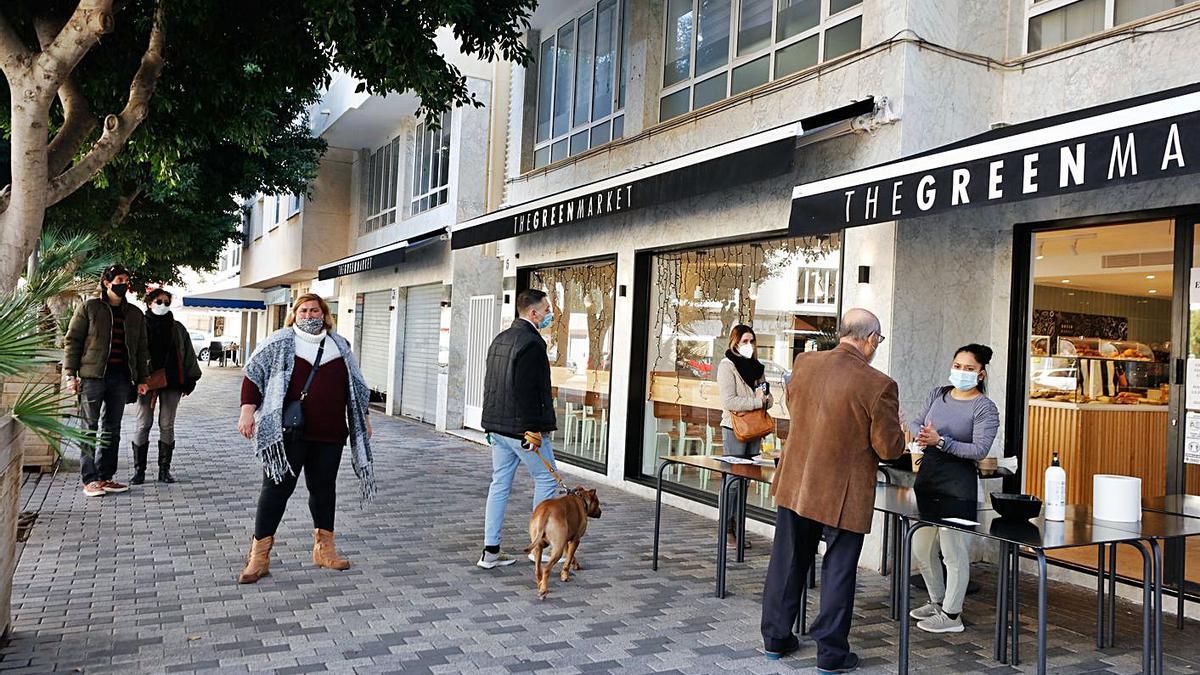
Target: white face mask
{"type": "Point", "coordinates": [159, 310]}
{"type": "Point", "coordinates": [746, 350]}
{"type": "Point", "coordinates": [964, 380]}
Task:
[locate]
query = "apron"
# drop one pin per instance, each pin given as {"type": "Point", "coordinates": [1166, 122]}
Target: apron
{"type": "Point", "coordinates": [945, 476]}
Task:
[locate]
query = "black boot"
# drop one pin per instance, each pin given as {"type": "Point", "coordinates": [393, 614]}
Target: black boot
{"type": "Point", "coordinates": [140, 453]}
{"type": "Point", "coordinates": [164, 462]}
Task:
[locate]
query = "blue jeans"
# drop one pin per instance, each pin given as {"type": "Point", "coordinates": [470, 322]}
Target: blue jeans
{"type": "Point", "coordinates": [506, 455]}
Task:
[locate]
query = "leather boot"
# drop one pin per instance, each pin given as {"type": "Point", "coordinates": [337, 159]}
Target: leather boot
{"type": "Point", "coordinates": [324, 553]}
{"type": "Point", "coordinates": [165, 450]}
{"type": "Point", "coordinates": [140, 454]}
{"type": "Point", "coordinates": [258, 563]}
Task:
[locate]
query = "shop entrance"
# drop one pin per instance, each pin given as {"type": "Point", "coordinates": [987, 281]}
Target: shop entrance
{"type": "Point", "coordinates": [1105, 341]}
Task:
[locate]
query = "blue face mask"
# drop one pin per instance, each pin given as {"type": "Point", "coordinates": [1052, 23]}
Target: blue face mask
{"type": "Point", "coordinates": [545, 322]}
{"type": "Point", "coordinates": [964, 380]}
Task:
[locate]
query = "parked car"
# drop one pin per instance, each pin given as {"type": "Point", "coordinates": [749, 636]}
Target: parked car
{"type": "Point", "coordinates": [201, 341]}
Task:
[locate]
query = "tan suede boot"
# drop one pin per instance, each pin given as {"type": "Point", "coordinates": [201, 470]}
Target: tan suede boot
{"type": "Point", "coordinates": [258, 563]}
{"type": "Point", "coordinates": [324, 553]}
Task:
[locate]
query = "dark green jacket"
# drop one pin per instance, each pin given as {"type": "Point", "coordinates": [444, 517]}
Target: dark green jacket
{"type": "Point", "coordinates": [89, 340]}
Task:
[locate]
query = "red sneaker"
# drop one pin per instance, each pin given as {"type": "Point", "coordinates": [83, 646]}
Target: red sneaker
{"type": "Point", "coordinates": [113, 486]}
{"type": "Point", "coordinates": [94, 489]}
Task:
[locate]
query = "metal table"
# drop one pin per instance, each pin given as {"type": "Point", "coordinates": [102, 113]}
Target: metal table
{"type": "Point", "coordinates": [745, 473]}
{"type": "Point", "coordinates": [1079, 529]}
{"type": "Point", "coordinates": [1179, 505]}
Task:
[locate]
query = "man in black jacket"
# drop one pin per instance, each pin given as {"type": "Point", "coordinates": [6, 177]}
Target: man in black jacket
{"type": "Point", "coordinates": [517, 406]}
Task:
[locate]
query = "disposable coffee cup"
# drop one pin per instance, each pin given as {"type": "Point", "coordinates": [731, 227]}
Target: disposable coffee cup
{"type": "Point", "coordinates": [918, 454]}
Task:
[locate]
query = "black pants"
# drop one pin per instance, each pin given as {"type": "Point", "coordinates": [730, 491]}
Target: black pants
{"type": "Point", "coordinates": [111, 392]}
{"type": "Point", "coordinates": [319, 462]}
{"type": "Point", "coordinates": [795, 546]}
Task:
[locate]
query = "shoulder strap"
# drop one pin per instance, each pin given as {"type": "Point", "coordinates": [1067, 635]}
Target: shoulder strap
{"type": "Point", "coordinates": [312, 373]}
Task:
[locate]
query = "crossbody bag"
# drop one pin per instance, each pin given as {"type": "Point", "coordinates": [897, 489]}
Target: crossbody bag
{"type": "Point", "coordinates": [293, 411]}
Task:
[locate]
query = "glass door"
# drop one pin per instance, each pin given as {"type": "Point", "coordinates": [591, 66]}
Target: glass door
{"type": "Point", "coordinates": [1188, 408]}
{"type": "Point", "coordinates": [1100, 362]}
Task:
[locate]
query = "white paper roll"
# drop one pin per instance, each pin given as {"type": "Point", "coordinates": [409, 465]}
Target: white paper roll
{"type": "Point", "coordinates": [1117, 498]}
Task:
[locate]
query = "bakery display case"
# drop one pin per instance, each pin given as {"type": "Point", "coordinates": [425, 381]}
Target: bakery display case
{"type": "Point", "coordinates": [1097, 371]}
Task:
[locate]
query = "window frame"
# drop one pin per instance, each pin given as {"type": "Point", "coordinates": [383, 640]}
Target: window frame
{"type": "Point", "coordinates": [573, 17]}
{"type": "Point", "coordinates": [440, 172]}
{"type": "Point", "coordinates": [733, 61]}
{"type": "Point", "coordinates": [379, 186]}
{"type": "Point", "coordinates": [294, 201]}
{"type": "Point", "coordinates": [1036, 8]}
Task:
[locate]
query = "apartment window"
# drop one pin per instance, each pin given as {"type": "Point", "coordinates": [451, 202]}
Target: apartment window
{"type": "Point", "coordinates": [247, 228]}
{"type": "Point", "coordinates": [381, 176]}
{"type": "Point", "coordinates": [581, 83]}
{"type": "Point", "coordinates": [1056, 22]}
{"type": "Point", "coordinates": [719, 48]}
{"type": "Point", "coordinates": [431, 170]}
{"type": "Point", "coordinates": [293, 204]}
{"type": "Point", "coordinates": [235, 257]}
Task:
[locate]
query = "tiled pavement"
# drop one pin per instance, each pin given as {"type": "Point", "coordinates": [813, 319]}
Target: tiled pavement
{"type": "Point", "coordinates": [143, 582]}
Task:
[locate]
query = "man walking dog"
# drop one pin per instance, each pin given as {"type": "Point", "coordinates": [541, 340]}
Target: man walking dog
{"type": "Point", "coordinates": [517, 410]}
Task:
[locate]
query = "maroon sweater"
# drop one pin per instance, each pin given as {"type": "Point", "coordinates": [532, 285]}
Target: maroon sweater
{"type": "Point", "coordinates": [326, 405]}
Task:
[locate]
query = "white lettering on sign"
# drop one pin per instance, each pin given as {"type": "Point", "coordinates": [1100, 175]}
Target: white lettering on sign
{"type": "Point", "coordinates": [355, 266]}
{"type": "Point", "coordinates": [602, 203]}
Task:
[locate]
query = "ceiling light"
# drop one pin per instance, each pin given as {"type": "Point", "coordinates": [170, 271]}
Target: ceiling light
{"type": "Point", "coordinates": [1149, 276]}
{"type": "Point", "coordinates": [1152, 291]}
{"type": "Point", "coordinates": [1066, 281]}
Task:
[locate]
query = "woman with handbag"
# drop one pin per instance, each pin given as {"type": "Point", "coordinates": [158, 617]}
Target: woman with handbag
{"type": "Point", "coordinates": [302, 397]}
{"type": "Point", "coordinates": [744, 403]}
{"type": "Point", "coordinates": [956, 428]}
{"type": "Point", "coordinates": [174, 372]}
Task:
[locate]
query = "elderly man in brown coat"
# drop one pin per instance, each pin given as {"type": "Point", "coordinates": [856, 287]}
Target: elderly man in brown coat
{"type": "Point", "coordinates": [845, 417]}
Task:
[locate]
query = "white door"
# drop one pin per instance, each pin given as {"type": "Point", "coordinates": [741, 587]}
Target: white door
{"type": "Point", "coordinates": [481, 329]}
{"type": "Point", "coordinates": [376, 336]}
{"type": "Point", "coordinates": [421, 321]}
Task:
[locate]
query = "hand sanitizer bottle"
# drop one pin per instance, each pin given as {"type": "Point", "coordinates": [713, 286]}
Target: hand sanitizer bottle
{"type": "Point", "coordinates": [1055, 491]}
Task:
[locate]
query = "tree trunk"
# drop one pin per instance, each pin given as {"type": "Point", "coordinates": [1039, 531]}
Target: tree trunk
{"type": "Point", "coordinates": [21, 222]}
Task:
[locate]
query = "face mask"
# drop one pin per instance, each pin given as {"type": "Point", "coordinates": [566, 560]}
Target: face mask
{"type": "Point", "coordinates": [545, 322]}
{"type": "Point", "coordinates": [119, 289]}
{"type": "Point", "coordinates": [746, 350]}
{"type": "Point", "coordinates": [311, 326]}
{"type": "Point", "coordinates": [964, 380]}
{"type": "Point", "coordinates": [159, 310]}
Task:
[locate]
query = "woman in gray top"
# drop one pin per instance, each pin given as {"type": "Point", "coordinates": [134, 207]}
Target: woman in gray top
{"type": "Point", "coordinates": [740, 378]}
{"type": "Point", "coordinates": [956, 428]}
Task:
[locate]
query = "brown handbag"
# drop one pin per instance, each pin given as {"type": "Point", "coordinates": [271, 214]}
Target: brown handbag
{"type": "Point", "coordinates": [157, 380]}
{"type": "Point", "coordinates": [752, 425]}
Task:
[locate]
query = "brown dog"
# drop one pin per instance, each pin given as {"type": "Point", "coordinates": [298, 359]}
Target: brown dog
{"type": "Point", "coordinates": [560, 523]}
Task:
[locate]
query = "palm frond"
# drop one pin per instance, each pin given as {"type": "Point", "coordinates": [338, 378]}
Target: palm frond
{"type": "Point", "coordinates": [22, 345]}
{"type": "Point", "coordinates": [45, 411]}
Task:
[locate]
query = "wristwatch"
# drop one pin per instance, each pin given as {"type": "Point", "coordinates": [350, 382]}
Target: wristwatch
{"type": "Point", "coordinates": [941, 443]}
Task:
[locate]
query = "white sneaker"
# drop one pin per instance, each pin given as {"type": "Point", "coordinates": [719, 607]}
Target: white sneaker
{"type": "Point", "coordinates": [925, 611]}
{"type": "Point", "coordinates": [941, 623]}
{"type": "Point", "coordinates": [491, 560]}
{"type": "Point", "coordinates": [545, 558]}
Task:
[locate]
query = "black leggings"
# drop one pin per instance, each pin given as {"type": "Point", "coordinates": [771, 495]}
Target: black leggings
{"type": "Point", "coordinates": [319, 461]}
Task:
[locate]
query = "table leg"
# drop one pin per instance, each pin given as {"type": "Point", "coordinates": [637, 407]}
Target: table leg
{"type": "Point", "coordinates": [1100, 596]}
{"type": "Point", "coordinates": [1156, 552]}
{"type": "Point", "coordinates": [897, 547]}
{"type": "Point", "coordinates": [1148, 583]}
{"type": "Point", "coordinates": [1041, 636]}
{"type": "Point", "coordinates": [1002, 604]}
{"type": "Point", "coordinates": [883, 549]}
{"type": "Point", "coordinates": [1014, 588]}
{"type": "Point", "coordinates": [1182, 582]}
{"type": "Point", "coordinates": [722, 508]}
{"type": "Point", "coordinates": [903, 568]}
{"type": "Point", "coordinates": [741, 519]}
{"type": "Point", "coordinates": [803, 618]}
{"type": "Point", "coordinates": [658, 513]}
{"type": "Point", "coordinates": [1112, 596]}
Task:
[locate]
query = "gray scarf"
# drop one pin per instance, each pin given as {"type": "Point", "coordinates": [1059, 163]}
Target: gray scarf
{"type": "Point", "coordinates": [270, 369]}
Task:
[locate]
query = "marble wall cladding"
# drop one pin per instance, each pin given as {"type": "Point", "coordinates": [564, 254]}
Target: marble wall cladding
{"type": "Point", "coordinates": [475, 273]}
{"type": "Point", "coordinates": [469, 155]}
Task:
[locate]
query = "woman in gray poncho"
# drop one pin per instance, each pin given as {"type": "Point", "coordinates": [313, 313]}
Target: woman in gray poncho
{"type": "Point", "coordinates": [335, 408]}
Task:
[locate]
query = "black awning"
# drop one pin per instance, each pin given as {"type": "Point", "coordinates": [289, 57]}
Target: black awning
{"type": "Point", "coordinates": [745, 160]}
{"type": "Point", "coordinates": [1143, 138]}
{"type": "Point", "coordinates": [378, 258]}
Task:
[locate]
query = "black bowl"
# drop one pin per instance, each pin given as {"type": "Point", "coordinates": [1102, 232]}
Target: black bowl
{"type": "Point", "coordinates": [1016, 507]}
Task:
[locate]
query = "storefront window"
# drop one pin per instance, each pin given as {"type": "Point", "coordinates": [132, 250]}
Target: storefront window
{"type": "Point", "coordinates": [579, 344]}
{"type": "Point", "coordinates": [786, 289]}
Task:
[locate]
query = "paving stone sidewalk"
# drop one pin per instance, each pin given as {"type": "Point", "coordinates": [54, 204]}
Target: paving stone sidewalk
{"type": "Point", "coordinates": [144, 582]}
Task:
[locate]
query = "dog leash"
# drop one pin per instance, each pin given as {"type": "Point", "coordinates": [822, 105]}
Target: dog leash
{"type": "Point", "coordinates": [558, 479]}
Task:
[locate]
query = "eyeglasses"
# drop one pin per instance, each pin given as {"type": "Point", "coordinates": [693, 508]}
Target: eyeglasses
{"type": "Point", "coordinates": [162, 302]}
{"type": "Point", "coordinates": [881, 338]}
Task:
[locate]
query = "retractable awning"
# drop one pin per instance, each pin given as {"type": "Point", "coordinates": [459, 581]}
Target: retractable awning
{"type": "Point", "coordinates": [378, 258]}
{"type": "Point", "coordinates": [745, 160]}
{"type": "Point", "coordinates": [229, 298]}
{"type": "Point", "coordinates": [1152, 136]}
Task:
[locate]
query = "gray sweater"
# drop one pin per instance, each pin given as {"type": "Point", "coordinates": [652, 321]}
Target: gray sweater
{"type": "Point", "coordinates": [969, 427]}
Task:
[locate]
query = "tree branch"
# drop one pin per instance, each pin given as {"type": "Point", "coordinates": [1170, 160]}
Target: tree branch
{"type": "Point", "coordinates": [124, 204]}
{"type": "Point", "coordinates": [90, 20]}
{"type": "Point", "coordinates": [15, 56]}
{"type": "Point", "coordinates": [78, 120]}
{"type": "Point", "coordinates": [117, 128]}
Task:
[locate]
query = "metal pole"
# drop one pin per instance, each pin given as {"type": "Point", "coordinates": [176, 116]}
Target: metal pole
{"type": "Point", "coordinates": [904, 569]}
{"type": "Point", "coordinates": [1112, 595]}
{"type": "Point", "coordinates": [1100, 597]}
{"type": "Point", "coordinates": [658, 513]}
{"type": "Point", "coordinates": [741, 518]}
{"type": "Point", "coordinates": [1158, 589]}
{"type": "Point", "coordinates": [1001, 604]}
{"type": "Point", "coordinates": [722, 506]}
{"type": "Point", "coordinates": [1015, 629]}
{"type": "Point", "coordinates": [1041, 637]}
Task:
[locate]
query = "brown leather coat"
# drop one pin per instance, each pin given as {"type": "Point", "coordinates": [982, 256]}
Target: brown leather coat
{"type": "Point", "coordinates": [845, 417]}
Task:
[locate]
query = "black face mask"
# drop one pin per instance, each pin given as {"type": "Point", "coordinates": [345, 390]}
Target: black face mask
{"type": "Point", "coordinates": [119, 289]}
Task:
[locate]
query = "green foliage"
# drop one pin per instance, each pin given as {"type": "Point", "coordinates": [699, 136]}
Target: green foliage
{"type": "Point", "coordinates": [46, 412]}
{"type": "Point", "coordinates": [228, 116]}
